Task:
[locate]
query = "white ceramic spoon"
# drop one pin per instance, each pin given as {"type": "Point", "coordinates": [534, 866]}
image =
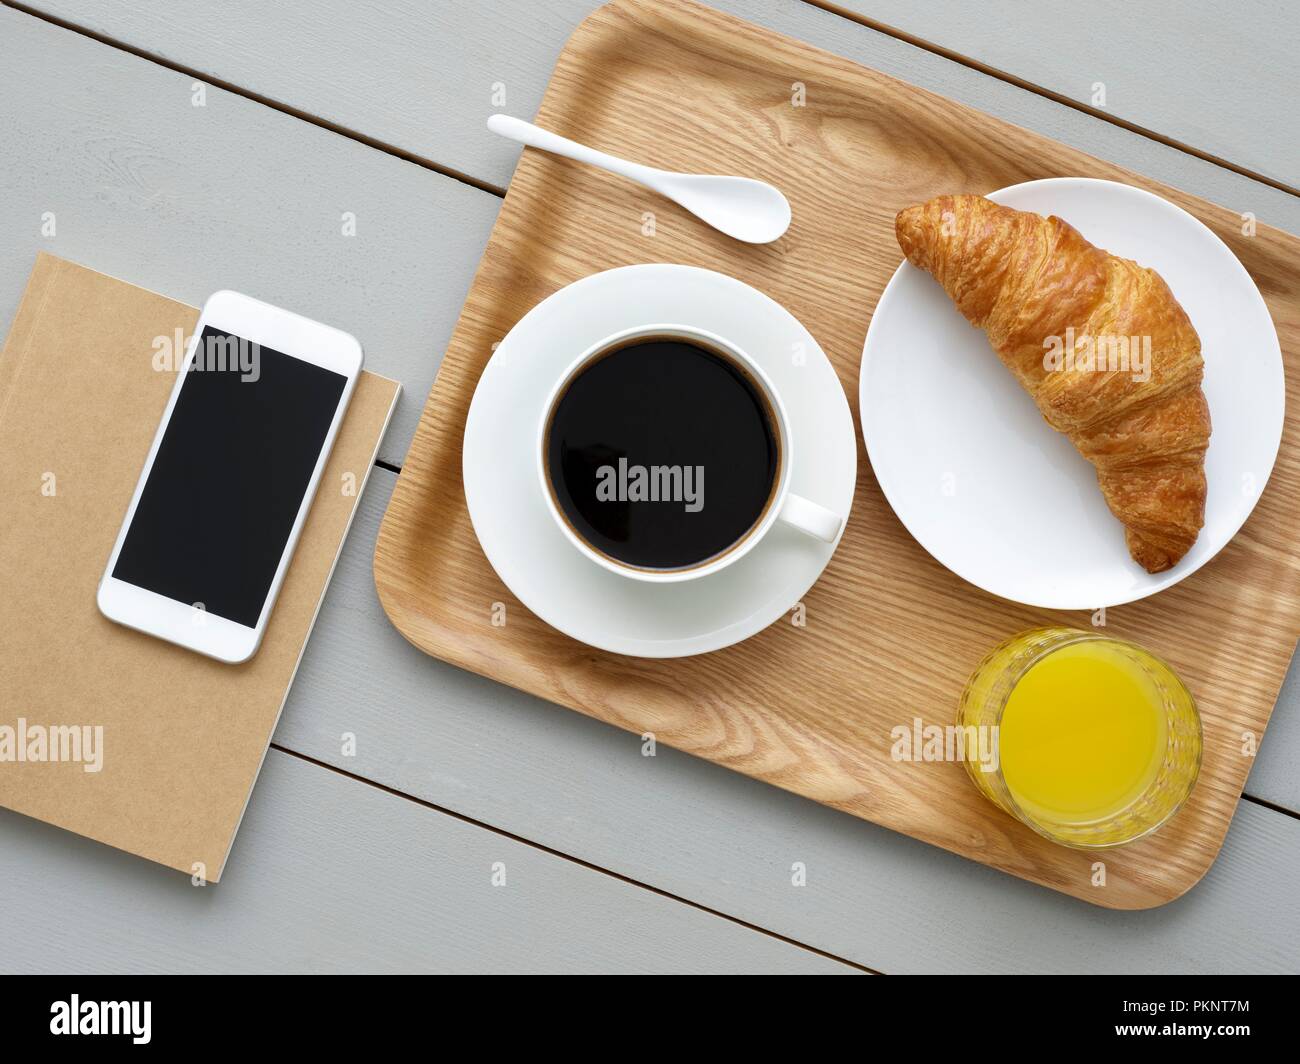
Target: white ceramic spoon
{"type": "Point", "coordinates": [749, 210]}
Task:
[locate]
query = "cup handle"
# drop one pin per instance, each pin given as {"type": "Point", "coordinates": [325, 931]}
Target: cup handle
{"type": "Point", "coordinates": [810, 519]}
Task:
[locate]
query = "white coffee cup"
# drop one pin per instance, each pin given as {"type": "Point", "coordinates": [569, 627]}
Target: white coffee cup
{"type": "Point", "coordinates": [783, 505]}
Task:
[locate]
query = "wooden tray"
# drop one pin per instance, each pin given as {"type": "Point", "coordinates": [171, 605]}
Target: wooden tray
{"type": "Point", "coordinates": [891, 635]}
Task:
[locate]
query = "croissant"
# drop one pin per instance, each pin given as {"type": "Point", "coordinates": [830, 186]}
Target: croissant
{"type": "Point", "coordinates": [1098, 341]}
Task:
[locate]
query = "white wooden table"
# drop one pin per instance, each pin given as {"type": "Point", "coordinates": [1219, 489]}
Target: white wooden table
{"type": "Point", "coordinates": [615, 862]}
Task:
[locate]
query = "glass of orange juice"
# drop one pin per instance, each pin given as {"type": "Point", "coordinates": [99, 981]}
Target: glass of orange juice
{"type": "Point", "coordinates": [1098, 742]}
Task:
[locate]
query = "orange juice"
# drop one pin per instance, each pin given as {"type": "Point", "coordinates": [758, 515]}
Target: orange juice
{"type": "Point", "coordinates": [1098, 741]}
{"type": "Point", "coordinates": [1082, 735]}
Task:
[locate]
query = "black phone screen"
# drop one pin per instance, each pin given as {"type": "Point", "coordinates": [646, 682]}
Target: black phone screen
{"type": "Point", "coordinates": [229, 477]}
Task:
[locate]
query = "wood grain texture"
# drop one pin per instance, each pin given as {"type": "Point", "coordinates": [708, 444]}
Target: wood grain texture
{"type": "Point", "coordinates": [333, 875]}
{"type": "Point", "coordinates": [421, 74]}
{"type": "Point", "coordinates": [370, 69]}
{"type": "Point", "coordinates": [729, 842]}
{"type": "Point", "coordinates": [144, 186]}
{"type": "Point", "coordinates": [1218, 77]}
{"type": "Point", "coordinates": [811, 709]}
{"type": "Point", "coordinates": [455, 738]}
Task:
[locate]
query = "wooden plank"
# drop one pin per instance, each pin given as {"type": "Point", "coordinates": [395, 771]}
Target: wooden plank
{"type": "Point", "coordinates": [185, 200]}
{"type": "Point", "coordinates": [562, 776]}
{"type": "Point", "coordinates": [812, 709]}
{"type": "Point", "coordinates": [422, 75]}
{"type": "Point", "coordinates": [730, 843]}
{"type": "Point", "coordinates": [133, 205]}
{"type": "Point", "coordinates": [334, 875]}
{"type": "Point", "coordinates": [1218, 77]}
{"type": "Point", "coordinates": [1276, 775]}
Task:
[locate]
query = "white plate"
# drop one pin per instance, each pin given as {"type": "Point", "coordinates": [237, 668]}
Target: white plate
{"type": "Point", "coordinates": [526, 547]}
{"type": "Point", "coordinates": [979, 478]}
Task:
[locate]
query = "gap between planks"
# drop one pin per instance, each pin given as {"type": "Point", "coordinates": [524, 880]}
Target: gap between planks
{"type": "Point", "coordinates": [827, 6]}
{"type": "Point", "coordinates": [981, 67]}
{"type": "Point", "coordinates": [265, 101]}
{"type": "Point", "coordinates": [1266, 804]}
{"type": "Point", "coordinates": [429, 164]}
{"type": "Point", "coordinates": [758, 929]}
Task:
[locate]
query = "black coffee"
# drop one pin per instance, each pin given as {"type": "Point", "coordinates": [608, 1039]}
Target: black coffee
{"type": "Point", "coordinates": [662, 453]}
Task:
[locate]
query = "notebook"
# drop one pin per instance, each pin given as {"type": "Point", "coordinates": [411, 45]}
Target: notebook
{"type": "Point", "coordinates": [132, 741]}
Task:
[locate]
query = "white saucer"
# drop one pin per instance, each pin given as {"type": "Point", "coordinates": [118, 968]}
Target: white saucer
{"type": "Point", "coordinates": [987, 487]}
{"type": "Point", "coordinates": [527, 548]}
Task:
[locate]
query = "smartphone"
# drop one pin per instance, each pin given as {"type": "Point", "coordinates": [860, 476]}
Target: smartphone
{"type": "Point", "coordinates": [230, 476]}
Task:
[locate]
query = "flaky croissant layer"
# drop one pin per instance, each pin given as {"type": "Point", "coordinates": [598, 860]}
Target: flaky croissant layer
{"type": "Point", "coordinates": [1101, 344]}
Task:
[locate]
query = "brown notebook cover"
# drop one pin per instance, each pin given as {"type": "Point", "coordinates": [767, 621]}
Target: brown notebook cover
{"type": "Point", "coordinates": [183, 736]}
